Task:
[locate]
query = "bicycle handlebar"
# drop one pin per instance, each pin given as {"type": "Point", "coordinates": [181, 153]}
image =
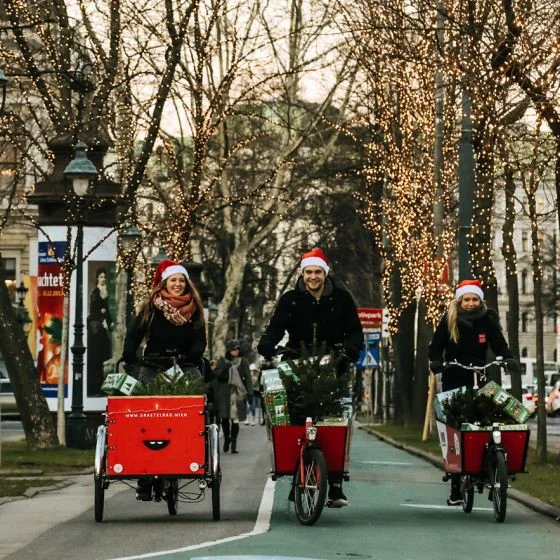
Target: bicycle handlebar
{"type": "Point", "coordinates": [478, 369]}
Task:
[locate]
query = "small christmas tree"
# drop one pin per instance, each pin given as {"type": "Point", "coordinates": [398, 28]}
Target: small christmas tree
{"type": "Point", "coordinates": [314, 388]}
{"type": "Point", "coordinates": [187, 384]}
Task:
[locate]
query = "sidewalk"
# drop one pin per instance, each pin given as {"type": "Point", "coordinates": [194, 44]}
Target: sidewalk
{"type": "Point", "coordinates": [525, 499]}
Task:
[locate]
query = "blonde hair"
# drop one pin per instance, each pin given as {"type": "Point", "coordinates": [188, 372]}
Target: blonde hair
{"type": "Point", "coordinates": [147, 308]}
{"type": "Point", "coordinates": [452, 312]}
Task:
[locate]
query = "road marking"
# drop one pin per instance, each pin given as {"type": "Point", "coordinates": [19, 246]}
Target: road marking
{"type": "Point", "coordinates": [392, 463]}
{"type": "Point", "coordinates": [438, 506]}
{"type": "Point", "coordinates": [262, 525]}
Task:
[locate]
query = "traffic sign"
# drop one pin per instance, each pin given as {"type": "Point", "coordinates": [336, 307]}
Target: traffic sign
{"type": "Point", "coordinates": [370, 316]}
{"type": "Point", "coordinates": [373, 336]}
{"type": "Point", "coordinates": [369, 358]}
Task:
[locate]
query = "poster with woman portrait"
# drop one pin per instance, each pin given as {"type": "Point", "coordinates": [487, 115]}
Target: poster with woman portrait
{"type": "Point", "coordinates": [99, 323]}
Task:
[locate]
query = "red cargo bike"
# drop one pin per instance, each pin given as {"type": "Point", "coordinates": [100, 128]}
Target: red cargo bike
{"type": "Point", "coordinates": [309, 454]}
{"type": "Point", "coordinates": [166, 438]}
{"type": "Point", "coordinates": [485, 457]}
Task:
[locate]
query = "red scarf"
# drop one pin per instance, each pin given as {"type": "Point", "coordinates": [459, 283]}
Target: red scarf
{"type": "Point", "coordinates": [176, 309]}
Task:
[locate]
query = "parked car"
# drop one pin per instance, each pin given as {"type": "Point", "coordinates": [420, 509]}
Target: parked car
{"type": "Point", "coordinates": [529, 400]}
{"type": "Point", "coordinates": [553, 401]}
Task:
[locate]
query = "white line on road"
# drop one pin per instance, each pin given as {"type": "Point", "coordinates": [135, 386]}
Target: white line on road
{"type": "Point", "coordinates": [391, 463]}
{"type": "Point", "coordinates": [262, 525]}
{"type": "Point", "coordinates": [439, 506]}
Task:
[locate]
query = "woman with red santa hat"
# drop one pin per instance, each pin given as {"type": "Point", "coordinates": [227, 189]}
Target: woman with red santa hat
{"type": "Point", "coordinates": [171, 322]}
{"type": "Point", "coordinates": [464, 334]}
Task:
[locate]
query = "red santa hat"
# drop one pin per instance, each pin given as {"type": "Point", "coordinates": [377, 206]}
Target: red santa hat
{"type": "Point", "coordinates": [167, 268]}
{"type": "Point", "coordinates": [469, 287]}
{"type": "Point", "coordinates": [315, 257]}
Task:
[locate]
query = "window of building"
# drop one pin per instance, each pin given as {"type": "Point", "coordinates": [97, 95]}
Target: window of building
{"type": "Point", "coordinates": [8, 164]}
{"type": "Point", "coordinates": [524, 321]}
{"type": "Point", "coordinates": [524, 240]}
{"type": "Point", "coordinates": [524, 276]}
{"type": "Point", "coordinates": [10, 274]}
{"type": "Point", "coordinates": [524, 352]}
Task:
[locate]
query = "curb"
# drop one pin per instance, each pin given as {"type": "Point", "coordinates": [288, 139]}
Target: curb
{"type": "Point", "coordinates": [531, 502]}
{"type": "Point", "coordinates": [34, 490]}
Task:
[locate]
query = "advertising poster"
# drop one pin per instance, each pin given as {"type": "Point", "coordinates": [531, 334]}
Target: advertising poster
{"type": "Point", "coordinates": [50, 301]}
{"type": "Point", "coordinates": [100, 323]}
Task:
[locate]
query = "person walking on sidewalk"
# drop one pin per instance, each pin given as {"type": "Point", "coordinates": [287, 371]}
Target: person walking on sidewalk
{"type": "Point", "coordinates": [317, 311]}
{"type": "Point", "coordinates": [254, 397]}
{"type": "Point", "coordinates": [231, 385]}
{"type": "Point", "coordinates": [464, 334]}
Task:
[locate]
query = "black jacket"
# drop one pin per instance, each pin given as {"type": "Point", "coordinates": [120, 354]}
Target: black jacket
{"type": "Point", "coordinates": [163, 337]}
{"type": "Point", "coordinates": [475, 339]}
{"type": "Point", "coordinates": [334, 317]}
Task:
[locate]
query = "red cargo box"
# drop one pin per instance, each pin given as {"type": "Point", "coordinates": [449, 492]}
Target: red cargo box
{"type": "Point", "coordinates": [465, 450]}
{"type": "Point", "coordinates": [163, 435]}
{"type": "Point", "coordinates": [334, 442]}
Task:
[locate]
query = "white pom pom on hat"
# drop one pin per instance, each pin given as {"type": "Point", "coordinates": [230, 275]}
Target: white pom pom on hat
{"type": "Point", "coordinates": [166, 269]}
{"type": "Point", "coordinates": [469, 287]}
{"type": "Point", "coordinates": [315, 257]}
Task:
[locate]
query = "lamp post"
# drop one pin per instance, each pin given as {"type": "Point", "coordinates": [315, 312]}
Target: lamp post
{"type": "Point", "coordinates": [129, 243]}
{"type": "Point", "coordinates": [22, 313]}
{"type": "Point", "coordinates": [80, 171]}
{"type": "Point", "coordinates": [3, 85]}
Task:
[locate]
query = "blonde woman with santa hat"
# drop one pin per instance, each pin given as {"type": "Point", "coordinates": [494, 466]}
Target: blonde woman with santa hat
{"type": "Point", "coordinates": [171, 320]}
{"type": "Point", "coordinates": [316, 310]}
{"type": "Point", "coordinates": [464, 334]}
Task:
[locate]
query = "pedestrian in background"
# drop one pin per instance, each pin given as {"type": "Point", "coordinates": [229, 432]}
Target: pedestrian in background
{"type": "Point", "coordinates": [232, 383]}
{"type": "Point", "coordinates": [254, 397]}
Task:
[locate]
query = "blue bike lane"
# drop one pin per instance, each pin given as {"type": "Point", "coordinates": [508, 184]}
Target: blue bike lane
{"type": "Point", "coordinates": [397, 510]}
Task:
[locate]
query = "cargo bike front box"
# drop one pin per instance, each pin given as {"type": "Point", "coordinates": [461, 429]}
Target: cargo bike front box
{"type": "Point", "coordinates": [164, 437]}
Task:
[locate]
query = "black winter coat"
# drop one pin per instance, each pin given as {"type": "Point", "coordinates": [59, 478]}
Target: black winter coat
{"type": "Point", "coordinates": [163, 337]}
{"type": "Point", "coordinates": [475, 339]}
{"type": "Point", "coordinates": [334, 317]}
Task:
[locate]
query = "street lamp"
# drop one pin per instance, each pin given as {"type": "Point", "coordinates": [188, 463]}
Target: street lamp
{"type": "Point", "coordinates": [129, 243]}
{"type": "Point", "coordinates": [80, 171]}
{"type": "Point", "coordinates": [3, 85]}
{"type": "Point", "coordinates": [22, 313]}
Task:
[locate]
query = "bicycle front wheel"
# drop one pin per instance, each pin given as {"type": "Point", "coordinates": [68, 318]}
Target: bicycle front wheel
{"type": "Point", "coordinates": [310, 486]}
{"type": "Point", "coordinates": [499, 482]}
{"type": "Point", "coordinates": [467, 490]}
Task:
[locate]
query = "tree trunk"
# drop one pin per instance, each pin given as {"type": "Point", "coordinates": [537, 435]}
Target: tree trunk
{"type": "Point", "coordinates": [510, 257]}
{"type": "Point", "coordinates": [539, 342]}
{"type": "Point", "coordinates": [34, 412]}
{"type": "Point", "coordinates": [226, 309]}
{"type": "Point", "coordinates": [424, 333]}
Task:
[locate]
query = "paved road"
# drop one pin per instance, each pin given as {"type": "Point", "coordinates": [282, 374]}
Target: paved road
{"type": "Point", "coordinates": [396, 511]}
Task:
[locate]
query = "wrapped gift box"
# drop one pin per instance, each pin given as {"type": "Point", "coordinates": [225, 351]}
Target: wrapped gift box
{"type": "Point", "coordinates": [119, 383]}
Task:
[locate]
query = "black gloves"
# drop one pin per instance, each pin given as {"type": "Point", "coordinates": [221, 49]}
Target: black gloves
{"type": "Point", "coordinates": [513, 365]}
{"type": "Point", "coordinates": [436, 366]}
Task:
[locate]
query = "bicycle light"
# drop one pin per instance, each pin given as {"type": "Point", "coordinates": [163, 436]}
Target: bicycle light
{"type": "Point", "coordinates": [311, 433]}
{"type": "Point", "coordinates": [496, 434]}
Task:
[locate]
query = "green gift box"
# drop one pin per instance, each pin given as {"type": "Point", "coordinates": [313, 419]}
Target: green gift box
{"type": "Point", "coordinates": [516, 410]}
{"type": "Point", "coordinates": [119, 383]}
{"type": "Point", "coordinates": [495, 391]}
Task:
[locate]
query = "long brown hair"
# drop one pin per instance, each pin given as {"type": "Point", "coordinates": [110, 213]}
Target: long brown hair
{"type": "Point", "coordinates": [452, 312]}
{"type": "Point", "coordinates": [147, 308]}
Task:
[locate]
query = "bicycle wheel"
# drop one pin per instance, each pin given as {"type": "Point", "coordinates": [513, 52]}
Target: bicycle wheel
{"type": "Point", "coordinates": [311, 490]}
{"type": "Point", "coordinates": [99, 497]}
{"type": "Point", "coordinates": [467, 490]}
{"type": "Point", "coordinates": [172, 496]}
{"type": "Point", "coordinates": [499, 482]}
{"type": "Point", "coordinates": [216, 483]}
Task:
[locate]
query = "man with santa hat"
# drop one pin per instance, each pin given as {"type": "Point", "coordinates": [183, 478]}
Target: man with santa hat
{"type": "Point", "coordinates": [316, 311]}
